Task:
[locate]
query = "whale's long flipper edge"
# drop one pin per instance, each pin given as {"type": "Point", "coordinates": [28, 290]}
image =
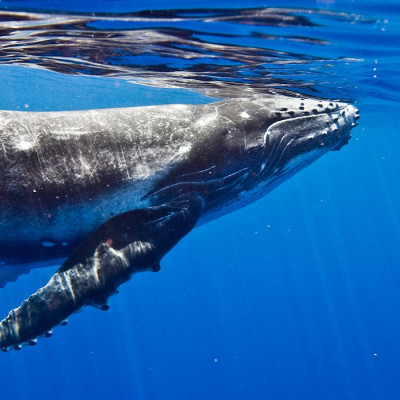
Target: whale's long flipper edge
{"type": "Point", "coordinates": [129, 243]}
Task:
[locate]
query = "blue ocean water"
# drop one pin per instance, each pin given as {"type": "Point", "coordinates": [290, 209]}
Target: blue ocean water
{"type": "Point", "coordinates": [293, 297]}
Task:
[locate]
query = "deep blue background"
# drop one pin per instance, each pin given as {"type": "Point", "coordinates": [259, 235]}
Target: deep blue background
{"type": "Point", "coordinates": [293, 297]}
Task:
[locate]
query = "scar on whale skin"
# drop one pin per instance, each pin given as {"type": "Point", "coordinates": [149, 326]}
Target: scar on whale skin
{"type": "Point", "coordinates": [235, 152]}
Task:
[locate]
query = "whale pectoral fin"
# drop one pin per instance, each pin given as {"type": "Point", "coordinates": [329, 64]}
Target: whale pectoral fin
{"type": "Point", "coordinates": [126, 244]}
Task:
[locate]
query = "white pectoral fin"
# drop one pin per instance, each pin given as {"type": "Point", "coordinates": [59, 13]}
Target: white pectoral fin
{"type": "Point", "coordinates": [132, 242]}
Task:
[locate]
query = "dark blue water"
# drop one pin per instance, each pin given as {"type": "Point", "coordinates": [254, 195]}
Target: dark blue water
{"type": "Point", "coordinates": [293, 297]}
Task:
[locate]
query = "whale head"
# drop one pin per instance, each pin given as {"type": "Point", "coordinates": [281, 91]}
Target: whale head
{"type": "Point", "coordinates": [305, 130]}
{"type": "Point", "coordinates": [270, 139]}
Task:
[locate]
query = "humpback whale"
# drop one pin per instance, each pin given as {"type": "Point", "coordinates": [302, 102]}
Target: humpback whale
{"type": "Point", "coordinates": [109, 192]}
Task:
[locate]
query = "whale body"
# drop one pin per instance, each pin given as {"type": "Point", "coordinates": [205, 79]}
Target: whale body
{"type": "Point", "coordinates": [113, 190]}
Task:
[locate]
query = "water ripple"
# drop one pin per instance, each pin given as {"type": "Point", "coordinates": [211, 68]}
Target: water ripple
{"type": "Point", "coordinates": [219, 52]}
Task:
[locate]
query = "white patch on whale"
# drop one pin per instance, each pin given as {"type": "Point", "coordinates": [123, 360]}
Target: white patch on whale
{"type": "Point", "coordinates": [206, 120]}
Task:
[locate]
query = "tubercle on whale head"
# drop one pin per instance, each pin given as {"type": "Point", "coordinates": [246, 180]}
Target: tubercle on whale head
{"type": "Point", "coordinates": [351, 115]}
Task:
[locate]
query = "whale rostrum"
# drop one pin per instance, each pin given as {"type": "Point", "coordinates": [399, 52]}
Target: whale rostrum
{"type": "Point", "coordinates": [111, 191]}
